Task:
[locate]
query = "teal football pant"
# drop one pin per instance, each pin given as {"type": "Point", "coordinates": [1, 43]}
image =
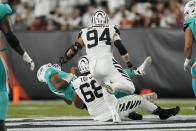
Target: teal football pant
{"type": "Point", "coordinates": [3, 89]}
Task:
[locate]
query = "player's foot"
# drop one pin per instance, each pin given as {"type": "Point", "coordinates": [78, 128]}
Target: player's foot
{"type": "Point", "coordinates": [151, 96]}
{"type": "Point", "coordinates": [2, 125]}
{"type": "Point", "coordinates": [116, 117]}
{"type": "Point", "coordinates": [108, 88]}
{"type": "Point", "coordinates": [135, 116]}
{"type": "Point", "coordinates": [141, 70]}
{"type": "Point", "coordinates": [166, 113]}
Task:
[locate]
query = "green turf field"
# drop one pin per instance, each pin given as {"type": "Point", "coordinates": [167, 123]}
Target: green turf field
{"type": "Point", "coordinates": [29, 109]}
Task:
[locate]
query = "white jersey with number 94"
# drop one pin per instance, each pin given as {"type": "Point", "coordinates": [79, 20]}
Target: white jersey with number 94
{"type": "Point", "coordinates": [91, 94]}
{"type": "Point", "coordinates": [97, 40]}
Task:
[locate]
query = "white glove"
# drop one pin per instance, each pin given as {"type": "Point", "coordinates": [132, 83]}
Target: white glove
{"type": "Point", "coordinates": [27, 59]}
{"type": "Point", "coordinates": [187, 65]}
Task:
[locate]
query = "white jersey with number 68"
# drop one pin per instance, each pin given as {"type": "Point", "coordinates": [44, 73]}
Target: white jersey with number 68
{"type": "Point", "coordinates": [91, 94]}
{"type": "Point", "coordinates": [97, 40]}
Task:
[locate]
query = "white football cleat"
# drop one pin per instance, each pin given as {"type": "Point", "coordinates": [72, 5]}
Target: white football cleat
{"type": "Point", "coordinates": [141, 70]}
{"type": "Point", "coordinates": [151, 96]}
{"type": "Point", "coordinates": [108, 88]}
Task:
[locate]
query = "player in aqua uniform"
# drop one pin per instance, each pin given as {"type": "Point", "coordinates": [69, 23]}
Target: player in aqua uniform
{"type": "Point", "coordinates": [49, 73]}
{"type": "Point", "coordinates": [5, 27]}
{"type": "Point", "coordinates": [58, 81]}
{"type": "Point", "coordinates": [190, 37]}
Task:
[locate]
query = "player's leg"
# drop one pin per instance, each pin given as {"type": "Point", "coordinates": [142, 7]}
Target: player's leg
{"type": "Point", "coordinates": [4, 108]}
{"type": "Point", "coordinates": [112, 104]}
{"type": "Point", "coordinates": [128, 104]}
{"type": "Point", "coordinates": [3, 94]}
{"type": "Point", "coordinates": [194, 85]}
{"type": "Point", "coordinates": [151, 96]}
{"type": "Point", "coordinates": [163, 114]}
{"type": "Point", "coordinates": [119, 79]}
{"type": "Point", "coordinates": [100, 73]}
{"type": "Point", "coordinates": [106, 73]}
{"type": "Point", "coordinates": [141, 70]}
{"type": "Point", "coordinates": [193, 73]}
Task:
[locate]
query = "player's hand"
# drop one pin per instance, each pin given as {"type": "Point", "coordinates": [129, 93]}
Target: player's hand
{"type": "Point", "coordinates": [27, 59]}
{"type": "Point", "coordinates": [187, 65]}
{"type": "Point", "coordinates": [32, 65]}
{"type": "Point", "coordinates": [63, 60]}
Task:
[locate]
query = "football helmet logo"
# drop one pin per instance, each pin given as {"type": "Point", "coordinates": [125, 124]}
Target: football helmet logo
{"type": "Point", "coordinates": [190, 10]}
{"type": "Point", "coordinates": [100, 18]}
{"type": "Point", "coordinates": [83, 65]}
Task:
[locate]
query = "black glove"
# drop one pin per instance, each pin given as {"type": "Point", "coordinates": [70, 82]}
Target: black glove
{"type": "Point", "coordinates": [133, 68]}
{"type": "Point", "coordinates": [130, 65]}
{"type": "Point", "coordinates": [63, 60]}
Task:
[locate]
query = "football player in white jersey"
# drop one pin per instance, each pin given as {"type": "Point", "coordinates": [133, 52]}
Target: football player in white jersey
{"type": "Point", "coordinates": [99, 41]}
{"type": "Point", "coordinates": [87, 90]}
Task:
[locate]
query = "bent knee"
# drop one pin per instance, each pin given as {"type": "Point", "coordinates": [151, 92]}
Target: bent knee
{"type": "Point", "coordinates": [130, 87]}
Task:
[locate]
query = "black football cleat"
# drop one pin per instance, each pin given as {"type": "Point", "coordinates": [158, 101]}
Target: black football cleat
{"type": "Point", "coordinates": [135, 116]}
{"type": "Point", "coordinates": [166, 113]}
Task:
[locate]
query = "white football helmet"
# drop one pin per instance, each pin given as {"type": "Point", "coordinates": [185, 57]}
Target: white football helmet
{"type": "Point", "coordinates": [83, 65]}
{"type": "Point", "coordinates": [190, 10]}
{"type": "Point", "coordinates": [43, 69]}
{"type": "Point", "coordinates": [100, 18]}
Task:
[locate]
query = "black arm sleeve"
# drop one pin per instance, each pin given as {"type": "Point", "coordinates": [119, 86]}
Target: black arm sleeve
{"type": "Point", "coordinates": [120, 47]}
{"type": "Point", "coordinates": [80, 34]}
{"type": "Point", "coordinates": [78, 46]}
{"type": "Point", "coordinates": [12, 40]}
{"type": "Point", "coordinates": [117, 30]}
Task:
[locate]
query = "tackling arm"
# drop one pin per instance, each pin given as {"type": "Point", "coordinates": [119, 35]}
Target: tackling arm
{"type": "Point", "coordinates": [72, 51]}
{"type": "Point", "coordinates": [188, 43]}
{"type": "Point", "coordinates": [78, 102]}
{"type": "Point", "coordinates": [14, 42]}
{"type": "Point", "coordinates": [67, 101]}
{"type": "Point", "coordinates": [122, 50]}
{"type": "Point", "coordinates": [9, 35]}
{"type": "Point", "coordinates": [188, 48]}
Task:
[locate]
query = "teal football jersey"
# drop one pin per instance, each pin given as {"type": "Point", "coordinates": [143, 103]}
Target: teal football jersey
{"type": "Point", "coordinates": [191, 23]}
{"type": "Point", "coordinates": [67, 92]}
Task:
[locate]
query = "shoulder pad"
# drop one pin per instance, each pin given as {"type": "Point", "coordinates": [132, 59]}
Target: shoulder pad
{"type": "Point", "coordinates": [116, 29]}
{"type": "Point", "coordinates": [185, 26]}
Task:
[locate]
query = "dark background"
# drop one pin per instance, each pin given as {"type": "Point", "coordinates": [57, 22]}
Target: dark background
{"type": "Point", "coordinates": [165, 76]}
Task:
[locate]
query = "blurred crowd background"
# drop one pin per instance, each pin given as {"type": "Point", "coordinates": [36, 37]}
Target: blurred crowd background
{"type": "Point", "coordinates": [75, 14]}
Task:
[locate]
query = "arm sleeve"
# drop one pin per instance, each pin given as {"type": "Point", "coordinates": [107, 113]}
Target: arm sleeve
{"type": "Point", "coordinates": [122, 50]}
